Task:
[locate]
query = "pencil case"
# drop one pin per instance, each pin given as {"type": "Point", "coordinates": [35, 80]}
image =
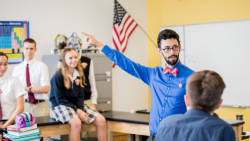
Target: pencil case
{"type": "Point", "coordinates": [25, 119]}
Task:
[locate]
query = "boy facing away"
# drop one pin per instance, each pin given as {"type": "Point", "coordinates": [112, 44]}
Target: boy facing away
{"type": "Point", "coordinates": [203, 95]}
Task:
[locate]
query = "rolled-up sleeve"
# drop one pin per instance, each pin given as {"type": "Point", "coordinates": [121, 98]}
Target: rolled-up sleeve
{"type": "Point", "coordinates": [18, 88]}
{"type": "Point", "coordinates": [44, 76]}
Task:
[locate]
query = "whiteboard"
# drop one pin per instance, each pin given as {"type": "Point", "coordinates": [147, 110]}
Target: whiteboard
{"type": "Point", "coordinates": [223, 47]}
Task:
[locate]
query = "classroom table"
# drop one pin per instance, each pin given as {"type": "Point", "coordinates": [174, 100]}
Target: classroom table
{"type": "Point", "coordinates": [124, 122]}
{"type": "Point", "coordinates": [49, 127]}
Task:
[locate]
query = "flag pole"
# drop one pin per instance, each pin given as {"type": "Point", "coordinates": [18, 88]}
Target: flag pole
{"type": "Point", "coordinates": [147, 35]}
{"type": "Point", "coordinates": [141, 28]}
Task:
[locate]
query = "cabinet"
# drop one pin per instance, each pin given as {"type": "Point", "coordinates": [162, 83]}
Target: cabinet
{"type": "Point", "coordinates": [103, 73]}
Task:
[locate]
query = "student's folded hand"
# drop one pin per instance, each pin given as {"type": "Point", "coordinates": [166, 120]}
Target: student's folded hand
{"type": "Point", "coordinates": [83, 116]}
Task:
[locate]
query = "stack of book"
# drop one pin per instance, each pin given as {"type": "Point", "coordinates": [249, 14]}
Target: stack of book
{"type": "Point", "coordinates": [16, 133]}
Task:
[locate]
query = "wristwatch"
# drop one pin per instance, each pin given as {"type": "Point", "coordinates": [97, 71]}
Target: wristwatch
{"type": "Point", "coordinates": [29, 89]}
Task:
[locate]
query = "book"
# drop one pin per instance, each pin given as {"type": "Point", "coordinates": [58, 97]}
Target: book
{"type": "Point", "coordinates": [22, 138]}
{"type": "Point", "coordinates": [36, 139]}
{"type": "Point", "coordinates": [15, 133]}
{"type": "Point", "coordinates": [17, 128]}
{"type": "Point", "coordinates": [31, 138]}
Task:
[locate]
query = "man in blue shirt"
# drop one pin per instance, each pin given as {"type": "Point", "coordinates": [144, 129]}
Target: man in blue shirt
{"type": "Point", "coordinates": [167, 84]}
{"type": "Point", "coordinates": [204, 91]}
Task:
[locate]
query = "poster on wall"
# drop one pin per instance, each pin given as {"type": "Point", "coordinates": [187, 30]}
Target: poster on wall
{"type": "Point", "coordinates": [12, 35]}
{"type": "Point", "coordinates": [179, 30]}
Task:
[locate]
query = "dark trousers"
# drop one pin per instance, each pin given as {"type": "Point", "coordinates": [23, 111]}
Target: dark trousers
{"type": "Point", "coordinates": [151, 137]}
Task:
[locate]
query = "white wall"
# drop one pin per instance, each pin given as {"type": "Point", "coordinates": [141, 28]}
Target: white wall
{"type": "Point", "coordinates": [48, 18]}
{"type": "Point", "coordinates": [132, 92]}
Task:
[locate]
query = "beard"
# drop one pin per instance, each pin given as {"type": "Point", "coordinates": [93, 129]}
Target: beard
{"type": "Point", "coordinates": [173, 62]}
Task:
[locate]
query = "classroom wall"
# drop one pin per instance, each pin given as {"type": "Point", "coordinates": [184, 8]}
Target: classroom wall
{"type": "Point", "coordinates": [162, 13]}
{"type": "Point", "coordinates": [49, 18]}
{"type": "Point", "coordinates": [153, 28]}
{"type": "Point", "coordinates": [132, 92]}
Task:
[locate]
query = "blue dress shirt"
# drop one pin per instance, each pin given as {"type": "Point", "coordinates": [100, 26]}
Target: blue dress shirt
{"type": "Point", "coordinates": [167, 98]}
{"type": "Point", "coordinates": [194, 125]}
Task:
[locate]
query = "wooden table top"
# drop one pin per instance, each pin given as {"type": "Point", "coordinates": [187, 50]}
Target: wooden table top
{"type": "Point", "coordinates": [119, 116]}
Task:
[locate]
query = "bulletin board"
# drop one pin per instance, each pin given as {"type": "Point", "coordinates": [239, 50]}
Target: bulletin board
{"type": "Point", "coordinates": [12, 35]}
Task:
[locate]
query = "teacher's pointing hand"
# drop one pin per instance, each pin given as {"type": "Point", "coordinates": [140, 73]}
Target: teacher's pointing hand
{"type": "Point", "coordinates": [90, 40]}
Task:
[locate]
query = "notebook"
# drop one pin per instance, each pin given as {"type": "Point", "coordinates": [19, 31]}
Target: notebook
{"type": "Point", "coordinates": [15, 133]}
{"type": "Point", "coordinates": [17, 128]}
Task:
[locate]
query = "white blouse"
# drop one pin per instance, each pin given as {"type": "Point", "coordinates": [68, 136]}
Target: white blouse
{"type": "Point", "coordinates": [11, 88]}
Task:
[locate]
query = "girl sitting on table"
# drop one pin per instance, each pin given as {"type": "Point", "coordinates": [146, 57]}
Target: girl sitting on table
{"type": "Point", "coordinates": [11, 93]}
{"type": "Point", "coordinates": [67, 96]}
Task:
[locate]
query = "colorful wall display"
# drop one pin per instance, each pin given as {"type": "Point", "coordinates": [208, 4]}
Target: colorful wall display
{"type": "Point", "coordinates": [12, 34]}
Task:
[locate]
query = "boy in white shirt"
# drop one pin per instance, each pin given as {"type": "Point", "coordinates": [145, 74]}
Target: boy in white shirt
{"type": "Point", "coordinates": [34, 76]}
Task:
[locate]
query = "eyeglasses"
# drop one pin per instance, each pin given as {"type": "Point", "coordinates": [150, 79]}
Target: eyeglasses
{"type": "Point", "coordinates": [168, 49]}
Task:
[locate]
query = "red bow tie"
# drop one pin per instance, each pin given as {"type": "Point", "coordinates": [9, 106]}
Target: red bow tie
{"type": "Point", "coordinates": [168, 70]}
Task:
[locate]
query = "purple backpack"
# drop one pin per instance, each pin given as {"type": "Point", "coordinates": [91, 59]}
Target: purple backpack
{"type": "Point", "coordinates": [25, 119]}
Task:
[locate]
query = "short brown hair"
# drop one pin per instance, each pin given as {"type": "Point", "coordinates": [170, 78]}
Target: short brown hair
{"type": "Point", "coordinates": [30, 40]}
{"type": "Point", "coordinates": [204, 90]}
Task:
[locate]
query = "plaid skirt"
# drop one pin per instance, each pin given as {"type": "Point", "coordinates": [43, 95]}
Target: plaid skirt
{"type": "Point", "coordinates": [63, 113]}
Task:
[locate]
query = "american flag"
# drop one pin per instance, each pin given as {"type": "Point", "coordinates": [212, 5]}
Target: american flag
{"type": "Point", "coordinates": [123, 27]}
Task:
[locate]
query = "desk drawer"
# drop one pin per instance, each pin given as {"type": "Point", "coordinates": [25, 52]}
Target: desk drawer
{"type": "Point", "coordinates": [104, 87]}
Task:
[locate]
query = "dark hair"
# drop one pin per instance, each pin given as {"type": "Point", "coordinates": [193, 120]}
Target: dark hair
{"type": "Point", "coordinates": [204, 90]}
{"type": "Point", "coordinates": [29, 40]}
{"type": "Point", "coordinates": [167, 34]}
{"type": "Point", "coordinates": [3, 54]}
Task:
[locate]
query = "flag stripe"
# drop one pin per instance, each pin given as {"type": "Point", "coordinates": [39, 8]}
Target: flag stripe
{"type": "Point", "coordinates": [126, 18]}
{"type": "Point", "coordinates": [116, 39]}
{"type": "Point", "coordinates": [128, 38]}
{"type": "Point", "coordinates": [116, 47]}
{"type": "Point", "coordinates": [125, 34]}
{"type": "Point", "coordinates": [116, 29]}
{"type": "Point", "coordinates": [126, 26]}
{"type": "Point", "coordinates": [117, 43]}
